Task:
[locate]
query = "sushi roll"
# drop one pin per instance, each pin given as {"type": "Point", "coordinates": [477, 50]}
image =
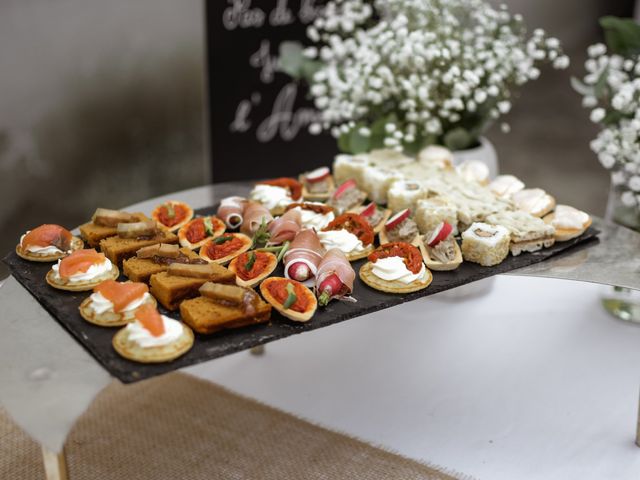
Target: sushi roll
{"type": "Point", "coordinates": [429, 213]}
{"type": "Point", "coordinates": [404, 194]}
{"type": "Point", "coordinates": [485, 244]}
{"type": "Point", "coordinates": [377, 180]}
{"type": "Point", "coordinates": [347, 167]}
{"type": "Point", "coordinates": [387, 158]}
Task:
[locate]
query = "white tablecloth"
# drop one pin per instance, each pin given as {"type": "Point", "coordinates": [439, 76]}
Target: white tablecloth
{"type": "Point", "coordinates": [533, 381]}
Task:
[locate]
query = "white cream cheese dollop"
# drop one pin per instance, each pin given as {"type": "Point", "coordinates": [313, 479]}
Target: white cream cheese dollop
{"type": "Point", "coordinates": [48, 250]}
{"type": "Point", "coordinates": [473, 171]}
{"type": "Point", "coordinates": [311, 219]}
{"type": "Point", "coordinates": [532, 200]}
{"type": "Point", "coordinates": [99, 304]}
{"type": "Point", "coordinates": [505, 185]}
{"type": "Point", "coordinates": [394, 269]}
{"type": "Point", "coordinates": [92, 272]}
{"type": "Point", "coordinates": [569, 218]}
{"type": "Point", "coordinates": [341, 239]}
{"type": "Point", "coordinates": [271, 196]}
{"type": "Point", "coordinates": [143, 337]}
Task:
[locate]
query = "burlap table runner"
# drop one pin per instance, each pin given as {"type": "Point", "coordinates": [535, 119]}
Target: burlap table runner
{"type": "Point", "coordinates": [180, 427]}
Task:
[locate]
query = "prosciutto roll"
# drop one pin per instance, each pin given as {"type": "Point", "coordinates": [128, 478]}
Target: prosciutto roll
{"type": "Point", "coordinates": [231, 211]}
{"type": "Point", "coordinates": [303, 257]}
{"type": "Point", "coordinates": [285, 227]}
{"type": "Point", "coordinates": [335, 277]}
{"type": "Point", "coordinates": [254, 213]}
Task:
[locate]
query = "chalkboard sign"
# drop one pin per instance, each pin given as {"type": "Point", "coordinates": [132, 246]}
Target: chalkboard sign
{"type": "Point", "coordinates": [259, 117]}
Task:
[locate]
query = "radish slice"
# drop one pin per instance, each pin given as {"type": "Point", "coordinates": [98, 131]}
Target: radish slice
{"type": "Point", "coordinates": [397, 219]}
{"type": "Point", "coordinates": [317, 175]}
{"type": "Point", "coordinates": [441, 232]}
{"type": "Point", "coordinates": [348, 185]}
{"type": "Point", "coordinates": [369, 210]}
{"type": "Point", "coordinates": [330, 287]}
{"type": "Point", "coordinates": [299, 271]}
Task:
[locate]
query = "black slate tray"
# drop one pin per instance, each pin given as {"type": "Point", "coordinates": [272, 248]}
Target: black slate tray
{"type": "Point", "coordinates": [63, 306]}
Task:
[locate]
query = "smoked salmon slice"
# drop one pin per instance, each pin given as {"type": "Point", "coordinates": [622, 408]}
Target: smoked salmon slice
{"type": "Point", "coordinates": [79, 261]}
{"type": "Point", "coordinates": [150, 319]}
{"type": "Point", "coordinates": [121, 294]}
{"type": "Point", "coordinates": [48, 235]}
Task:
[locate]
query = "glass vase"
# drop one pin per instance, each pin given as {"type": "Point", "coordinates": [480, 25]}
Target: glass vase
{"type": "Point", "coordinates": [621, 302]}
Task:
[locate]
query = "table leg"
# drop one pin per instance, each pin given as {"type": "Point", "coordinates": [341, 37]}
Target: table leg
{"type": "Point", "coordinates": [259, 350]}
{"type": "Point", "coordinates": [55, 465]}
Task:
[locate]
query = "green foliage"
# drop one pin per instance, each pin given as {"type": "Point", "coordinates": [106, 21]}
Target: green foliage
{"type": "Point", "coordinates": [291, 60]}
{"type": "Point", "coordinates": [458, 139]}
{"type": "Point", "coordinates": [622, 35]}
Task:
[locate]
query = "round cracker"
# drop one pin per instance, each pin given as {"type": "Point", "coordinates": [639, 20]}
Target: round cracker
{"type": "Point", "coordinates": [110, 319]}
{"type": "Point", "coordinates": [290, 314]}
{"type": "Point", "coordinates": [273, 263]}
{"type": "Point", "coordinates": [165, 353]}
{"type": "Point", "coordinates": [352, 257]}
{"type": "Point", "coordinates": [368, 277]}
{"type": "Point", "coordinates": [224, 260]}
{"type": "Point", "coordinates": [76, 244]}
{"type": "Point", "coordinates": [85, 285]}
{"type": "Point", "coordinates": [179, 225]}
{"type": "Point", "coordinates": [564, 234]}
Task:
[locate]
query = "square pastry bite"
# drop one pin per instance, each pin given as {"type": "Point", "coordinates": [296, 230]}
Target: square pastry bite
{"type": "Point", "coordinates": [182, 281]}
{"type": "Point", "coordinates": [104, 224]}
{"type": "Point", "coordinates": [157, 258]}
{"type": "Point", "coordinates": [132, 237]}
{"type": "Point", "coordinates": [528, 233]}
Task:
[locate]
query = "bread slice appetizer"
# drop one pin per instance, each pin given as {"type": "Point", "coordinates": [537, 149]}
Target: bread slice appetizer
{"type": "Point", "coordinates": [47, 243]}
{"type": "Point", "coordinates": [182, 281]}
{"type": "Point", "coordinates": [528, 233]}
{"type": "Point", "coordinates": [131, 237]}
{"type": "Point", "coordinates": [253, 267]}
{"type": "Point", "coordinates": [399, 228]}
{"type": "Point", "coordinates": [568, 222]}
{"type": "Point", "coordinates": [347, 197]}
{"type": "Point", "coordinates": [292, 299]}
{"type": "Point", "coordinates": [439, 249]}
{"type": "Point", "coordinates": [225, 248]}
{"type": "Point", "coordinates": [317, 184]}
{"type": "Point", "coordinates": [313, 214]}
{"type": "Point", "coordinates": [485, 244]}
{"type": "Point", "coordinates": [172, 215]}
{"type": "Point", "coordinates": [222, 307]}
{"type": "Point", "coordinates": [157, 258]}
{"type": "Point", "coordinates": [104, 224]}
{"type": "Point", "coordinates": [534, 201]}
{"type": "Point", "coordinates": [153, 338]}
{"type": "Point", "coordinates": [351, 233]}
{"type": "Point", "coordinates": [81, 271]}
{"type": "Point", "coordinates": [277, 193]}
{"type": "Point", "coordinates": [113, 304]}
{"type": "Point", "coordinates": [396, 267]}
{"type": "Point", "coordinates": [375, 215]}
{"type": "Point", "coordinates": [199, 231]}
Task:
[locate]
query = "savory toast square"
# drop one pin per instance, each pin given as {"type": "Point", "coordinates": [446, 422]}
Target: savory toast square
{"type": "Point", "coordinates": [93, 233]}
{"type": "Point", "coordinates": [141, 269]}
{"type": "Point", "coordinates": [119, 249]}
{"type": "Point", "coordinates": [205, 315]}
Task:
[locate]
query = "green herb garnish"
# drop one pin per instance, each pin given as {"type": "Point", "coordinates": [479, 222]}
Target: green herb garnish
{"type": "Point", "coordinates": [208, 226]}
{"type": "Point", "coordinates": [291, 298]}
{"type": "Point", "coordinates": [251, 260]}
{"type": "Point", "coordinates": [171, 212]}
{"type": "Point", "coordinates": [221, 240]}
{"type": "Point", "coordinates": [262, 235]}
{"type": "Point", "coordinates": [283, 250]}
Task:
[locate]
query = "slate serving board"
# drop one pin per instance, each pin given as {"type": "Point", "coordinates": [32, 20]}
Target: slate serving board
{"type": "Point", "coordinates": [63, 306]}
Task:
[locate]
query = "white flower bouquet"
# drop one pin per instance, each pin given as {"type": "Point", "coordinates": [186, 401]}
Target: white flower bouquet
{"type": "Point", "coordinates": [404, 74]}
{"type": "Point", "coordinates": [611, 88]}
